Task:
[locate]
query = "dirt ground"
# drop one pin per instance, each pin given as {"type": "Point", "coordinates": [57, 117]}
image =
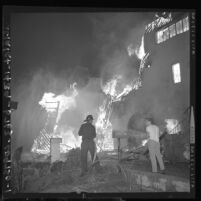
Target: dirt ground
{"type": "Point", "coordinates": [177, 169]}
{"type": "Point", "coordinates": [106, 179]}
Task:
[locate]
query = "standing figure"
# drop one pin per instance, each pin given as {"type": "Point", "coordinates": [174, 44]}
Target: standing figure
{"type": "Point", "coordinates": [88, 133]}
{"type": "Point", "coordinates": [154, 145]}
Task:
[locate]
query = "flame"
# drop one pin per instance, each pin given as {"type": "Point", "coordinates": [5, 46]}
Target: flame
{"type": "Point", "coordinates": [49, 102]}
{"type": "Point", "coordinates": [110, 87]}
{"type": "Point", "coordinates": [69, 140]}
{"type": "Point", "coordinates": [128, 88]}
{"type": "Point", "coordinates": [140, 52]}
{"type": "Point", "coordinates": [64, 104]}
{"type": "Point", "coordinates": [61, 102]}
{"type": "Point", "coordinates": [56, 104]}
{"type": "Point", "coordinates": [103, 124]}
{"type": "Point", "coordinates": [173, 126]}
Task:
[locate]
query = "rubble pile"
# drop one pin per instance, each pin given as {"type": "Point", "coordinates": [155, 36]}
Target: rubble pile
{"type": "Point", "coordinates": [63, 176]}
{"type": "Point", "coordinates": [73, 159]}
{"type": "Point", "coordinates": [40, 175]}
{"type": "Point", "coordinates": [108, 180]}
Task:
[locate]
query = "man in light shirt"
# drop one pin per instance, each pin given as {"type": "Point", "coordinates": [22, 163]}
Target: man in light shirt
{"type": "Point", "coordinates": [154, 145]}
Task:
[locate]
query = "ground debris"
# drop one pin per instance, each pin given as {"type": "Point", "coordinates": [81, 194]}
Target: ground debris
{"type": "Point", "coordinates": [63, 176]}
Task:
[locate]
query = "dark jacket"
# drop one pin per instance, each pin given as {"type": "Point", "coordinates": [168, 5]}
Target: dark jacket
{"type": "Point", "coordinates": [87, 131]}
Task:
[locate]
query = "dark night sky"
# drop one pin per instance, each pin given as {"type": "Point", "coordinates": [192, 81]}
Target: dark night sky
{"type": "Point", "coordinates": [50, 50]}
{"type": "Point", "coordinates": [63, 41]}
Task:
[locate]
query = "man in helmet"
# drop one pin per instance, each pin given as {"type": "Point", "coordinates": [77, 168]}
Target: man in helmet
{"type": "Point", "coordinates": [88, 133]}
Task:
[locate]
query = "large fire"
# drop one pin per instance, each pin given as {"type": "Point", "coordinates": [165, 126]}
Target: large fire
{"type": "Point", "coordinates": [56, 105]}
{"type": "Point", "coordinates": [115, 89]}
{"type": "Point", "coordinates": [61, 102]}
{"type": "Point", "coordinates": [103, 124]}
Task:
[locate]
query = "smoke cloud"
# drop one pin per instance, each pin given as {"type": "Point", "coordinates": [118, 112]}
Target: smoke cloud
{"type": "Point", "coordinates": [115, 32]}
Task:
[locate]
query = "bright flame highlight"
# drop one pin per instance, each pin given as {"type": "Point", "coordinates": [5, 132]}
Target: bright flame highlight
{"type": "Point", "coordinates": [173, 126]}
{"type": "Point", "coordinates": [140, 52]}
{"type": "Point", "coordinates": [110, 87]}
{"type": "Point", "coordinates": [144, 142]}
{"type": "Point", "coordinates": [49, 102]}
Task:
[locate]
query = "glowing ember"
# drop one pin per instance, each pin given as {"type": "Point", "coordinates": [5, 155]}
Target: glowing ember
{"type": "Point", "coordinates": [144, 142]}
{"type": "Point", "coordinates": [69, 140]}
{"type": "Point", "coordinates": [173, 126]}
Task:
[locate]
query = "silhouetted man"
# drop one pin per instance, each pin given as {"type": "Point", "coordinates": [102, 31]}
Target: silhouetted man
{"type": "Point", "coordinates": [88, 133]}
{"type": "Point", "coordinates": [154, 145]}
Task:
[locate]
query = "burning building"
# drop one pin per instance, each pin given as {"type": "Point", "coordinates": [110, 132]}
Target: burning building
{"type": "Point", "coordinates": [159, 86]}
{"type": "Point", "coordinates": [165, 92]}
{"type": "Point", "coordinates": [164, 71]}
{"type": "Point", "coordinates": [169, 47]}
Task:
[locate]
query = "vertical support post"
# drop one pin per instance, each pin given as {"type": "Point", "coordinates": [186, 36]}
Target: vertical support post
{"type": "Point", "coordinates": [55, 149]}
{"type": "Point", "coordinates": [119, 144]}
{"type": "Point", "coordinates": [192, 127]}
